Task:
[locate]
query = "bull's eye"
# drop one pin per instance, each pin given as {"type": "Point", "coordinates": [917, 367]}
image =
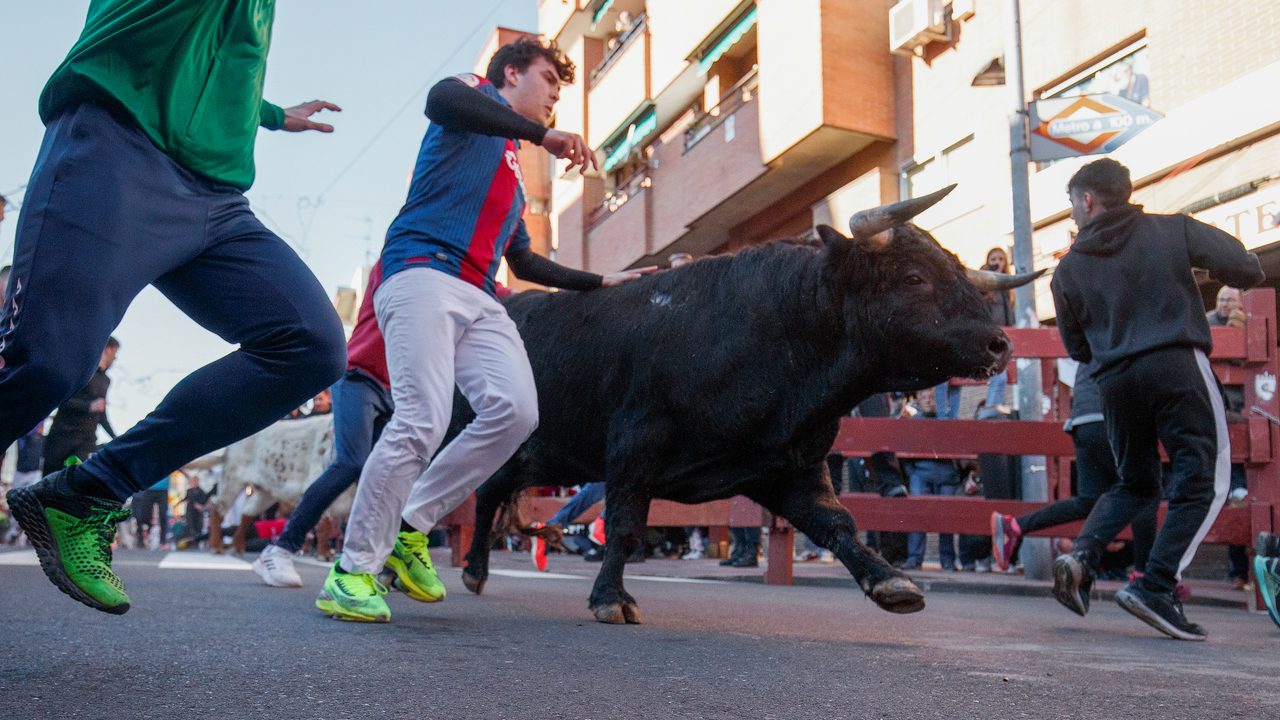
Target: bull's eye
{"type": "Point", "coordinates": [914, 279]}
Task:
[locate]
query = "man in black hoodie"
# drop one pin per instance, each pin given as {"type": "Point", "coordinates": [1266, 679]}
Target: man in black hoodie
{"type": "Point", "coordinates": [1127, 301]}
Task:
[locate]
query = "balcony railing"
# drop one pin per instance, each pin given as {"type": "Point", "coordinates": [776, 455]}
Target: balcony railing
{"type": "Point", "coordinates": [740, 94]}
{"type": "Point", "coordinates": [619, 196]}
{"type": "Point", "coordinates": [619, 45]}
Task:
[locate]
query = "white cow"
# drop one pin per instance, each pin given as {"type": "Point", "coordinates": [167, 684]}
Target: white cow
{"type": "Point", "coordinates": [279, 463]}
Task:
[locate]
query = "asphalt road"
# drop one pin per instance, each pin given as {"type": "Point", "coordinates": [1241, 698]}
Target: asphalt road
{"type": "Point", "coordinates": [212, 641]}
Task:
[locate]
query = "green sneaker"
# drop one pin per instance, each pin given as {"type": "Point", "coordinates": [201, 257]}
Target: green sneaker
{"type": "Point", "coordinates": [353, 596]}
{"type": "Point", "coordinates": [72, 535]}
{"type": "Point", "coordinates": [415, 575]}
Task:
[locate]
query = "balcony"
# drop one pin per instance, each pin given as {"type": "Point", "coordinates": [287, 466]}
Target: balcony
{"type": "Point", "coordinates": [619, 83]}
{"type": "Point", "coordinates": [618, 232]}
{"type": "Point", "coordinates": [702, 169]}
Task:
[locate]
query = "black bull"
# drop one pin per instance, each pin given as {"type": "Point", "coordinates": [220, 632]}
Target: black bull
{"type": "Point", "coordinates": [729, 376]}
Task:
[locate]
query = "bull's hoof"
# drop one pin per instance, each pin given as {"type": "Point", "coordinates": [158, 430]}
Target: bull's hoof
{"type": "Point", "coordinates": [631, 613]}
{"type": "Point", "coordinates": [898, 595]}
{"type": "Point", "coordinates": [473, 583]}
{"type": "Point", "coordinates": [612, 614]}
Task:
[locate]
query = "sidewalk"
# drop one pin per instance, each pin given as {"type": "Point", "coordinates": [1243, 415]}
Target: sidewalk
{"type": "Point", "coordinates": [1203, 592]}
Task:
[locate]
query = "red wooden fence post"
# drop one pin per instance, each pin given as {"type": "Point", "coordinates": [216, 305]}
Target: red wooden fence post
{"type": "Point", "coordinates": [1260, 396]}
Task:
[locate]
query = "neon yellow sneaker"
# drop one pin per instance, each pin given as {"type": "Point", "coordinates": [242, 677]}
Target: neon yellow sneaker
{"type": "Point", "coordinates": [353, 596]}
{"type": "Point", "coordinates": [415, 575]}
{"type": "Point", "coordinates": [72, 535]}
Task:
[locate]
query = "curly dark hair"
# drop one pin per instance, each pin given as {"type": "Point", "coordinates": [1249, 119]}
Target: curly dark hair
{"type": "Point", "coordinates": [1107, 179]}
{"type": "Point", "coordinates": [521, 53]}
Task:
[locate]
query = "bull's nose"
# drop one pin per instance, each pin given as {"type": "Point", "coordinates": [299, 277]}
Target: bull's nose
{"type": "Point", "coordinates": [999, 345]}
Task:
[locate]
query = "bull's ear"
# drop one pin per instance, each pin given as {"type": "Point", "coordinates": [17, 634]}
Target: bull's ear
{"type": "Point", "coordinates": [830, 236]}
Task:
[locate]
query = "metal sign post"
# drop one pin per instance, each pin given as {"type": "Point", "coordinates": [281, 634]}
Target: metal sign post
{"type": "Point", "coordinates": [1035, 551]}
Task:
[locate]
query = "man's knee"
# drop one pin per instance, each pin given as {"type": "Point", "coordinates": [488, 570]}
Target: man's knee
{"type": "Point", "coordinates": [325, 347]}
{"type": "Point", "coordinates": [518, 416]}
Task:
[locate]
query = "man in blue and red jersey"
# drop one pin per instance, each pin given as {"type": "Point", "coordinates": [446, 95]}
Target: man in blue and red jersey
{"type": "Point", "coordinates": [442, 323]}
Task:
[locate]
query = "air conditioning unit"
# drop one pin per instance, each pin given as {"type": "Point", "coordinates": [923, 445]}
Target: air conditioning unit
{"type": "Point", "coordinates": [915, 23]}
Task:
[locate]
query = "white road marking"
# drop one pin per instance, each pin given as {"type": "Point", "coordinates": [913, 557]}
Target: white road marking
{"type": "Point", "coordinates": [557, 576]}
{"type": "Point", "coordinates": [201, 561]}
{"type": "Point", "coordinates": [21, 557]}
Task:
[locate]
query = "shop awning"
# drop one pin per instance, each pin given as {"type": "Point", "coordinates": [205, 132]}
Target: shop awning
{"type": "Point", "coordinates": [726, 41]}
{"type": "Point", "coordinates": [633, 137]}
{"type": "Point", "coordinates": [601, 9]}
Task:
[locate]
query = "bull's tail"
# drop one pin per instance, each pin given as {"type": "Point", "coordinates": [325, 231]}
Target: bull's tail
{"type": "Point", "coordinates": [510, 521]}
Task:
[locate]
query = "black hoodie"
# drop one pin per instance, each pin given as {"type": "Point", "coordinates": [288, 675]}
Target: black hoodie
{"type": "Point", "coordinates": [1127, 288]}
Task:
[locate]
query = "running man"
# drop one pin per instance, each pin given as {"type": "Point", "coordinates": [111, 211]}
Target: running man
{"type": "Point", "coordinates": [442, 323]}
{"type": "Point", "coordinates": [1149, 341]}
{"type": "Point", "coordinates": [148, 149]}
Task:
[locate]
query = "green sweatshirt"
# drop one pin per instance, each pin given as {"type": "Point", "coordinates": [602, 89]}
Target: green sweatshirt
{"type": "Point", "coordinates": [190, 73]}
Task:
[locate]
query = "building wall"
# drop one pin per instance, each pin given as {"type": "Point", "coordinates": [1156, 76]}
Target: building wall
{"type": "Point", "coordinates": [1194, 48]}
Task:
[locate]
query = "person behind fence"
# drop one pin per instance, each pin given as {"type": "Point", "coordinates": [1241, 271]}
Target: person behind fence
{"type": "Point", "coordinates": [74, 430]}
{"type": "Point", "coordinates": [1001, 305]}
{"type": "Point", "coordinates": [1228, 311]}
{"type": "Point", "coordinates": [196, 503]}
{"type": "Point", "coordinates": [1266, 567]}
{"type": "Point", "coordinates": [1127, 300]}
{"type": "Point", "coordinates": [151, 512]}
{"type": "Point", "coordinates": [1095, 473]}
{"type": "Point", "coordinates": [588, 494]}
{"type": "Point", "coordinates": [931, 477]}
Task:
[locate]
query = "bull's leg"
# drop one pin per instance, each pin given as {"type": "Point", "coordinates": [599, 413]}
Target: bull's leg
{"type": "Point", "coordinates": [810, 504]}
{"type": "Point", "coordinates": [242, 535]}
{"type": "Point", "coordinates": [489, 497]}
{"type": "Point", "coordinates": [626, 513]}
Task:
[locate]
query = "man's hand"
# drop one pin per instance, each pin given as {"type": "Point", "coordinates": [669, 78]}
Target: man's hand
{"type": "Point", "coordinates": [568, 146]}
{"type": "Point", "coordinates": [298, 117]}
{"type": "Point", "coordinates": [99, 405]}
{"type": "Point", "coordinates": [626, 276]}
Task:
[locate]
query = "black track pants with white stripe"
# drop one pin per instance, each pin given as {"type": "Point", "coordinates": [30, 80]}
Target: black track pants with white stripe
{"type": "Point", "coordinates": [1170, 396]}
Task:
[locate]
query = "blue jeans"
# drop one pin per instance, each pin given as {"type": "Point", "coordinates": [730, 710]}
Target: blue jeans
{"type": "Point", "coordinates": [361, 407]}
{"type": "Point", "coordinates": [588, 495]}
{"type": "Point", "coordinates": [995, 392]}
{"type": "Point", "coordinates": [947, 399]}
{"type": "Point", "coordinates": [105, 215]}
{"type": "Point", "coordinates": [923, 485]}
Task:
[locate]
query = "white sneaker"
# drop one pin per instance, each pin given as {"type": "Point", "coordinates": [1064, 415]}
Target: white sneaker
{"type": "Point", "coordinates": [275, 567]}
{"type": "Point", "coordinates": [693, 555]}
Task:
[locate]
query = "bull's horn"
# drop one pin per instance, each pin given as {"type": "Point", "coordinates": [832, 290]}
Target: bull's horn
{"type": "Point", "coordinates": [988, 281]}
{"type": "Point", "coordinates": [871, 228]}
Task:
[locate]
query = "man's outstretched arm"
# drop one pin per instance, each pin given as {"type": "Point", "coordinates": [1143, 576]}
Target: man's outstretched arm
{"type": "Point", "coordinates": [458, 106]}
{"type": "Point", "coordinates": [296, 118]}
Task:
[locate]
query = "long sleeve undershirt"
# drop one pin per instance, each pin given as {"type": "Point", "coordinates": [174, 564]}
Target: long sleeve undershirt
{"type": "Point", "coordinates": [530, 266]}
{"type": "Point", "coordinates": [458, 107]}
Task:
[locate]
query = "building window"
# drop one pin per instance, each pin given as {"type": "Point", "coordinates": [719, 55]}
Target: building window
{"type": "Point", "coordinates": [1126, 73]}
{"type": "Point", "coordinates": [947, 167]}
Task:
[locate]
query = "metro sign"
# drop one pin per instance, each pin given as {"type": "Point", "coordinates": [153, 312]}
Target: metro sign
{"type": "Point", "coordinates": [1085, 125]}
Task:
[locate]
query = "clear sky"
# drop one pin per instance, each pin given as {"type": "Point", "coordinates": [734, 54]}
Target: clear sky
{"type": "Point", "coordinates": [330, 196]}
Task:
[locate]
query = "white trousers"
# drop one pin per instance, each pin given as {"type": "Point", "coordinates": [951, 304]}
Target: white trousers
{"type": "Point", "coordinates": [439, 331]}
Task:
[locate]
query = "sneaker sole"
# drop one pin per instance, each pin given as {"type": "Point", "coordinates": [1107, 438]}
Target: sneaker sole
{"type": "Point", "coordinates": [1265, 588]}
{"type": "Point", "coordinates": [1066, 589]}
{"type": "Point", "coordinates": [407, 587]}
{"type": "Point", "coordinates": [29, 512]}
{"type": "Point", "coordinates": [1138, 609]}
{"type": "Point", "coordinates": [331, 608]}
